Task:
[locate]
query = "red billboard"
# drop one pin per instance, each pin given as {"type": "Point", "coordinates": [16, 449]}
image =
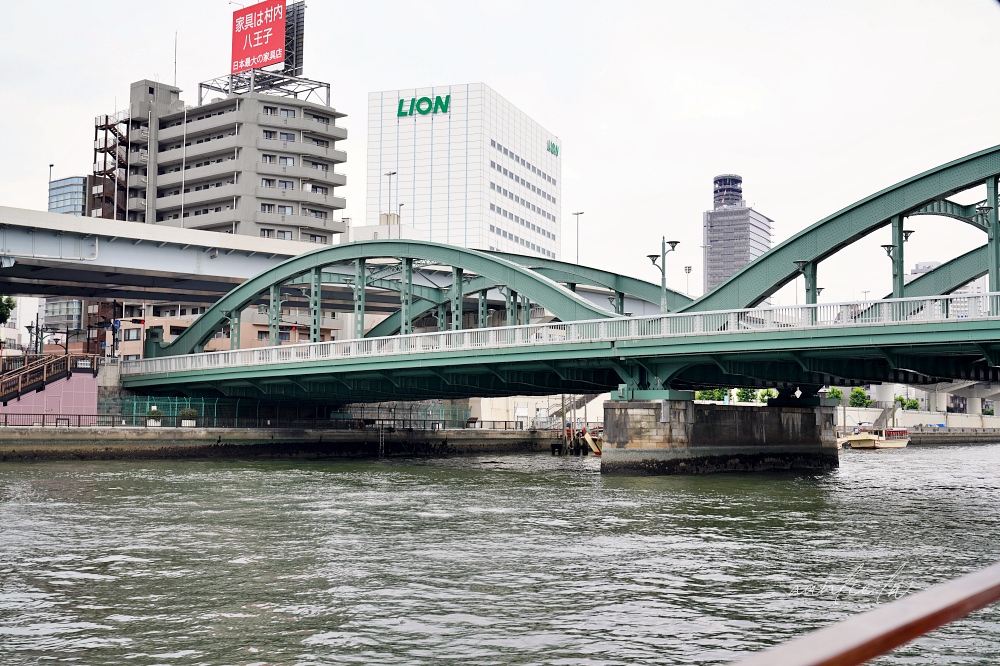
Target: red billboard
{"type": "Point", "coordinates": [259, 35]}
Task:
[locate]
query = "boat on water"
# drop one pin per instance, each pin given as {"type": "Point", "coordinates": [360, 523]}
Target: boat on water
{"type": "Point", "coordinates": [877, 438]}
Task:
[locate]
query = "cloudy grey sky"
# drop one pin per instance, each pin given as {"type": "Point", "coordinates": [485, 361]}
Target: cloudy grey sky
{"type": "Point", "coordinates": [816, 104]}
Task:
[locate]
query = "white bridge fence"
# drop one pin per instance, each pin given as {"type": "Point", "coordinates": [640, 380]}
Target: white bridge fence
{"type": "Point", "coordinates": [731, 322]}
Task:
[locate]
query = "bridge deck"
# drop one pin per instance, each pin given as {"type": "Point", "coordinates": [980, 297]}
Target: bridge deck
{"type": "Point", "coordinates": [916, 340]}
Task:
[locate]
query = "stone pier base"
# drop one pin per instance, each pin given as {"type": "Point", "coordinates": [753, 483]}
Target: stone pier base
{"type": "Point", "coordinates": [682, 437]}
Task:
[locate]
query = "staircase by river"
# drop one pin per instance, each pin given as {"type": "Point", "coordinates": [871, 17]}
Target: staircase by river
{"type": "Point", "coordinates": [39, 371]}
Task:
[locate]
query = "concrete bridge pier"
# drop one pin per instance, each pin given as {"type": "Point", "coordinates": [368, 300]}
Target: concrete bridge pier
{"type": "Point", "coordinates": [677, 436]}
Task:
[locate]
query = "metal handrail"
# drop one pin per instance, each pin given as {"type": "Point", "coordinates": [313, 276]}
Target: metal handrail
{"type": "Point", "coordinates": [729, 322]}
{"type": "Point", "coordinates": [866, 636]}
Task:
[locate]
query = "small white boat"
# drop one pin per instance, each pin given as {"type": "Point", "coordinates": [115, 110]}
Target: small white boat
{"type": "Point", "coordinates": [886, 438]}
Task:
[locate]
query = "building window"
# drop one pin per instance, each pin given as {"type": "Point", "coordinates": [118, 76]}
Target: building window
{"type": "Point", "coordinates": [268, 159]}
{"type": "Point", "coordinates": [284, 210]}
{"type": "Point", "coordinates": [267, 233]}
{"type": "Point", "coordinates": [319, 189]}
{"type": "Point", "coordinates": [322, 143]}
{"type": "Point", "coordinates": [287, 113]}
{"type": "Point", "coordinates": [267, 182]}
{"type": "Point", "coordinates": [267, 208]}
{"type": "Point", "coordinates": [262, 336]}
{"type": "Point", "coordinates": [270, 134]}
{"type": "Point", "coordinates": [320, 166]}
{"type": "Point", "coordinates": [270, 110]}
{"type": "Point", "coordinates": [287, 136]}
{"type": "Point", "coordinates": [132, 334]}
{"type": "Point", "coordinates": [313, 238]}
{"type": "Point", "coordinates": [284, 235]}
{"type": "Point", "coordinates": [284, 336]}
{"type": "Point", "coordinates": [286, 161]}
{"type": "Point", "coordinates": [286, 185]}
{"type": "Point", "coordinates": [320, 214]}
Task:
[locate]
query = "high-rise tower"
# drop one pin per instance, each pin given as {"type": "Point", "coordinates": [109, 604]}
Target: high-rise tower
{"type": "Point", "coordinates": [734, 234]}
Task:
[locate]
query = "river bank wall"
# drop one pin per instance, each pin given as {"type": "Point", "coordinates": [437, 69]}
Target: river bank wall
{"type": "Point", "coordinates": [26, 444]}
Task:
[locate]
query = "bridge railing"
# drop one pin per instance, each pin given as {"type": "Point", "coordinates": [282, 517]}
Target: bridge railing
{"type": "Point", "coordinates": [781, 318]}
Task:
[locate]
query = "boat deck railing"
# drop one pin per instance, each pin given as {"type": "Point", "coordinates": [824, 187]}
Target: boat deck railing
{"type": "Point", "coordinates": [866, 636]}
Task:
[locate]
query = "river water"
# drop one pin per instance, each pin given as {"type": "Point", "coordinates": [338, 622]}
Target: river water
{"type": "Point", "coordinates": [488, 560]}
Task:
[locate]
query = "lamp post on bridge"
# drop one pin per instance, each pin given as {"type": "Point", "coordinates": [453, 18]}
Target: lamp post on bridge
{"type": "Point", "coordinates": [578, 236]}
{"type": "Point", "coordinates": [895, 252]}
{"type": "Point", "coordinates": [388, 215]}
{"type": "Point", "coordinates": [663, 269]}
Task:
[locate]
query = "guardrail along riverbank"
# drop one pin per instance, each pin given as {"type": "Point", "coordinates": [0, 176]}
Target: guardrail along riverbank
{"type": "Point", "coordinates": [73, 437]}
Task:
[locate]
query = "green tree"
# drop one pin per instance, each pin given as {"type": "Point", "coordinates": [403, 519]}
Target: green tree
{"type": "Point", "coordinates": [859, 398]}
{"type": "Point", "coordinates": [746, 395]}
{"type": "Point", "coordinates": [912, 403]}
{"type": "Point", "coordinates": [7, 305]}
{"type": "Point", "coordinates": [767, 394]}
{"type": "Point", "coordinates": [716, 394]}
{"type": "Point", "coordinates": [836, 394]}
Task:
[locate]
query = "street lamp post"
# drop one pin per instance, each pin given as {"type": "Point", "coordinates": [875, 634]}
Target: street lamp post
{"type": "Point", "coordinates": [687, 273]}
{"type": "Point", "coordinates": [663, 270]}
{"type": "Point", "coordinates": [578, 236]}
{"type": "Point", "coordinates": [389, 211]}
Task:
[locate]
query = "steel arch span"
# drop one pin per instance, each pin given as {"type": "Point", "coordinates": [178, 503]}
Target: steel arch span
{"type": "Point", "coordinates": [491, 271]}
{"type": "Point", "coordinates": [924, 194]}
{"type": "Point", "coordinates": [559, 271]}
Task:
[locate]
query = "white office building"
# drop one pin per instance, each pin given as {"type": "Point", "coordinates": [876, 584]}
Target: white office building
{"type": "Point", "coordinates": [464, 166]}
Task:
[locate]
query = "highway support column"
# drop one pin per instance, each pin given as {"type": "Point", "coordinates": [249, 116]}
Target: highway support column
{"type": "Point", "coordinates": [667, 432]}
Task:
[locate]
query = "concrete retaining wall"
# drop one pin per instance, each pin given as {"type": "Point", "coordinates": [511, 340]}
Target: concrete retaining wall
{"type": "Point", "coordinates": [28, 444]}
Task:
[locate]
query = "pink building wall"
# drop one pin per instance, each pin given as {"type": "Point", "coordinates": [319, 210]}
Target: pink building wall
{"type": "Point", "coordinates": [73, 395]}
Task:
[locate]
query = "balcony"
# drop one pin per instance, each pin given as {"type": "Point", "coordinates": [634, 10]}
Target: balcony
{"type": "Point", "coordinates": [331, 178]}
{"type": "Point", "coordinates": [326, 154]}
{"type": "Point", "coordinates": [225, 146]}
{"type": "Point", "coordinates": [330, 131]}
{"type": "Point", "coordinates": [207, 221]}
{"type": "Point", "coordinates": [306, 223]}
{"type": "Point", "coordinates": [197, 174]}
{"type": "Point", "coordinates": [137, 203]}
{"type": "Point", "coordinates": [224, 122]}
{"type": "Point", "coordinates": [301, 196]}
{"type": "Point", "coordinates": [298, 317]}
{"type": "Point", "coordinates": [299, 149]}
{"type": "Point", "coordinates": [192, 199]}
{"type": "Point", "coordinates": [138, 181]}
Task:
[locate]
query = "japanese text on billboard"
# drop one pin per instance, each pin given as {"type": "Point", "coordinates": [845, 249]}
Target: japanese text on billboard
{"type": "Point", "coordinates": [258, 35]}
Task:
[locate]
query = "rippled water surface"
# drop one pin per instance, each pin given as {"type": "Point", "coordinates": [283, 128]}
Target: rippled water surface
{"type": "Point", "coordinates": [489, 560]}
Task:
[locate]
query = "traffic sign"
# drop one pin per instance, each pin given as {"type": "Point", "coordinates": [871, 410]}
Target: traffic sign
{"type": "Point", "coordinates": [117, 324]}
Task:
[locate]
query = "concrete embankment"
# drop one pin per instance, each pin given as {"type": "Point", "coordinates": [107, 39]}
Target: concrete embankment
{"type": "Point", "coordinates": [34, 444]}
{"type": "Point", "coordinates": [930, 435]}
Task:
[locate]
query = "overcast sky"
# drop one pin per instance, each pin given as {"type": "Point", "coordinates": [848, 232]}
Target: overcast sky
{"type": "Point", "coordinates": [816, 104]}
